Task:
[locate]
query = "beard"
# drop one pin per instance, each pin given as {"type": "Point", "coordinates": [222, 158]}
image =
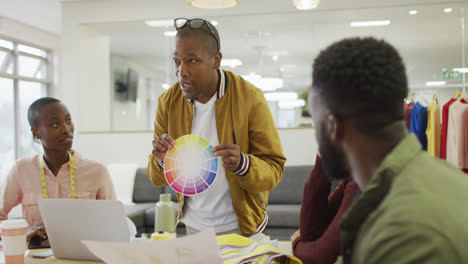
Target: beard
{"type": "Point", "coordinates": [333, 160]}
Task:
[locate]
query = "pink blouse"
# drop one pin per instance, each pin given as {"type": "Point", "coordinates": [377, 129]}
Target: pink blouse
{"type": "Point", "coordinates": [23, 185]}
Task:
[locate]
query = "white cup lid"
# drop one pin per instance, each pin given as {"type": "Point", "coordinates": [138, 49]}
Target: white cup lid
{"type": "Point", "coordinates": [14, 224]}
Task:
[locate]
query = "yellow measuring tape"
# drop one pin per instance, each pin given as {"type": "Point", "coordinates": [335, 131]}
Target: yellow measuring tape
{"type": "Point", "coordinates": [72, 178]}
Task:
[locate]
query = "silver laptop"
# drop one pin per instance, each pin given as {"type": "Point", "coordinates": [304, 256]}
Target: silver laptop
{"type": "Point", "coordinates": [69, 221]}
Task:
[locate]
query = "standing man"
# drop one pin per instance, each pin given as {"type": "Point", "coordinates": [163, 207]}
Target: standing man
{"type": "Point", "coordinates": [412, 207]}
{"type": "Point", "coordinates": [234, 117]}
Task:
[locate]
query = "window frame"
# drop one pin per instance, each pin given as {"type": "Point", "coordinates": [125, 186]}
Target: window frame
{"type": "Point", "coordinates": [47, 82]}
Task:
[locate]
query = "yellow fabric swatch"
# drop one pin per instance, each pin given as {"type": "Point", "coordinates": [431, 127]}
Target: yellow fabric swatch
{"type": "Point", "coordinates": [235, 248]}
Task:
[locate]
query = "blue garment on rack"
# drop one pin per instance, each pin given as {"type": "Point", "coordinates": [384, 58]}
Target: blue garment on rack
{"type": "Point", "coordinates": [418, 123]}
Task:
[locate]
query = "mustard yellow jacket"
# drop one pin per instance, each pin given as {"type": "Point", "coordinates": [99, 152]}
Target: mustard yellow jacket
{"type": "Point", "coordinates": [243, 118]}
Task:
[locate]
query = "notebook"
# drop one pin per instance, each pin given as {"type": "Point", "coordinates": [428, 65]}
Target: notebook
{"type": "Point", "coordinates": [69, 221]}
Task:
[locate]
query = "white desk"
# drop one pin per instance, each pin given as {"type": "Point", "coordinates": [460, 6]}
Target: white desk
{"type": "Point", "coordinates": [285, 246]}
{"type": "Point", "coordinates": [50, 260]}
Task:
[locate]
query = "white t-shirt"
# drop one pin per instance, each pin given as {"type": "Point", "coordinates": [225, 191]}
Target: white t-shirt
{"type": "Point", "coordinates": [213, 207]}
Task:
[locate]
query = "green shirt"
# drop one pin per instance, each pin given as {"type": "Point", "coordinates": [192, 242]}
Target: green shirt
{"type": "Point", "coordinates": [414, 210]}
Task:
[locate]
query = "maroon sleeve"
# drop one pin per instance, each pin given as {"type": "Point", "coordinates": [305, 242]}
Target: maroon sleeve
{"type": "Point", "coordinates": [313, 219]}
{"type": "Point", "coordinates": [326, 248]}
{"type": "Point", "coordinates": [408, 110]}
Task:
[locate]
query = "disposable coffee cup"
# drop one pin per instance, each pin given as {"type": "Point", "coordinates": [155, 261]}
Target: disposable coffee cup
{"type": "Point", "coordinates": [14, 240]}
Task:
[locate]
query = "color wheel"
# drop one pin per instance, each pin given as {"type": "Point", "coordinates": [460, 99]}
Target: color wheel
{"type": "Point", "coordinates": [190, 166]}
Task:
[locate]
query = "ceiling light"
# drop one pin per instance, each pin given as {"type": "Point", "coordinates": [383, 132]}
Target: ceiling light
{"type": "Point", "coordinates": [170, 33]}
{"type": "Point", "coordinates": [275, 57]}
{"type": "Point", "coordinates": [291, 104]}
{"type": "Point", "coordinates": [166, 86]}
{"type": "Point", "coordinates": [448, 10]}
{"type": "Point", "coordinates": [436, 83]}
{"type": "Point", "coordinates": [413, 12]}
{"type": "Point", "coordinates": [213, 4]}
{"type": "Point", "coordinates": [288, 67]}
{"type": "Point", "coordinates": [264, 83]}
{"type": "Point", "coordinates": [214, 23]}
{"type": "Point", "coordinates": [231, 63]}
{"type": "Point", "coordinates": [281, 96]}
{"type": "Point", "coordinates": [460, 70]}
{"type": "Point", "coordinates": [306, 4]}
{"type": "Point", "coordinates": [160, 23]}
{"type": "Point", "coordinates": [370, 23]}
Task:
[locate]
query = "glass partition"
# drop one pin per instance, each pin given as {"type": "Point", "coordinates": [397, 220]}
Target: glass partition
{"type": "Point", "coordinates": [276, 52]}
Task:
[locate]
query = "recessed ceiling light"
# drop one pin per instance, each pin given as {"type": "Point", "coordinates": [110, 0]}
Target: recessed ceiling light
{"type": "Point", "coordinates": [306, 4]}
{"type": "Point", "coordinates": [370, 23]}
{"type": "Point", "coordinates": [436, 83]}
{"type": "Point", "coordinates": [460, 70]}
{"type": "Point", "coordinates": [166, 86]}
{"type": "Point", "coordinates": [413, 12]}
{"type": "Point", "coordinates": [275, 57]}
{"type": "Point", "coordinates": [170, 33]}
{"type": "Point", "coordinates": [160, 23]}
{"type": "Point", "coordinates": [231, 63]}
{"type": "Point", "coordinates": [264, 83]}
{"type": "Point", "coordinates": [281, 96]}
{"type": "Point", "coordinates": [214, 23]}
{"type": "Point", "coordinates": [448, 10]}
{"type": "Point", "coordinates": [213, 4]}
{"type": "Point", "coordinates": [291, 104]}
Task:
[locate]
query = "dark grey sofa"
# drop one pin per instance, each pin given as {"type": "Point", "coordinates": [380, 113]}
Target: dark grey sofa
{"type": "Point", "coordinates": [145, 196]}
{"type": "Point", "coordinates": [283, 209]}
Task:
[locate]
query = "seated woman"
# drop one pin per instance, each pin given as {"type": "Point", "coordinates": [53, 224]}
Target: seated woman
{"type": "Point", "coordinates": [318, 237]}
{"type": "Point", "coordinates": [59, 173]}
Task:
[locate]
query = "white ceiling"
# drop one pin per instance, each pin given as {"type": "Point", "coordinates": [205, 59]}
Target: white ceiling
{"type": "Point", "coordinates": [43, 14]}
{"type": "Point", "coordinates": [428, 41]}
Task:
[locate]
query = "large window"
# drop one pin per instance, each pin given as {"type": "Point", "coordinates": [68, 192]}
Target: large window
{"type": "Point", "coordinates": [25, 75]}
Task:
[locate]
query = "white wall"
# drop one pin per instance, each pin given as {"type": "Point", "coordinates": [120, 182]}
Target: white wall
{"type": "Point", "coordinates": [94, 85]}
{"type": "Point", "coordinates": [299, 146]}
{"type": "Point", "coordinates": [77, 14]}
{"type": "Point", "coordinates": [139, 115]}
{"type": "Point", "coordinates": [131, 147]}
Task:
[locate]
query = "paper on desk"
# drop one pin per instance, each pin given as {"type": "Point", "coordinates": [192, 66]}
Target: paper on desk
{"type": "Point", "coordinates": [198, 248]}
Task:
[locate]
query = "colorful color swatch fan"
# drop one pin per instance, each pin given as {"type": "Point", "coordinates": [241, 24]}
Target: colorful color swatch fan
{"type": "Point", "coordinates": [190, 166]}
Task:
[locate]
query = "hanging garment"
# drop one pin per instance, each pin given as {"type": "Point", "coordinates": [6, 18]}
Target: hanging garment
{"type": "Point", "coordinates": [408, 110]}
{"type": "Point", "coordinates": [465, 139]}
{"type": "Point", "coordinates": [418, 124]}
{"type": "Point", "coordinates": [457, 135]}
{"type": "Point", "coordinates": [433, 129]}
{"type": "Point", "coordinates": [443, 132]}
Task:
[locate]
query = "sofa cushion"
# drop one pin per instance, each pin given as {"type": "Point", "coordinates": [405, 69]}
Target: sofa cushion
{"type": "Point", "coordinates": [123, 179]}
{"type": "Point", "coordinates": [283, 215]}
{"type": "Point", "coordinates": [136, 213]}
{"type": "Point", "coordinates": [280, 233]}
{"type": "Point", "coordinates": [144, 190]}
{"type": "Point", "coordinates": [291, 187]}
{"type": "Point", "coordinates": [168, 189]}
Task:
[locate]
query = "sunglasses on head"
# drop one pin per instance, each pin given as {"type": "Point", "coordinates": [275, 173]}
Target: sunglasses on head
{"type": "Point", "coordinates": [196, 23]}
